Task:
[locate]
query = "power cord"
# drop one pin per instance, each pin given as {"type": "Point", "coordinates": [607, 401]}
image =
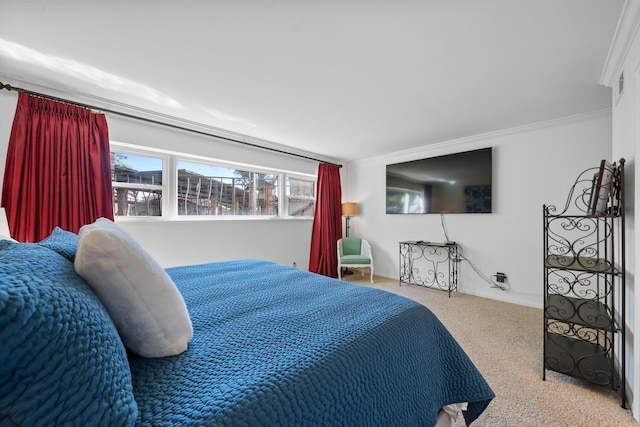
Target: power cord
{"type": "Point", "coordinates": [444, 228]}
{"type": "Point", "coordinates": [503, 286]}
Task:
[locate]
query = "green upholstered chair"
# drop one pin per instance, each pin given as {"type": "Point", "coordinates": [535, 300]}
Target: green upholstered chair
{"type": "Point", "coordinates": [354, 252]}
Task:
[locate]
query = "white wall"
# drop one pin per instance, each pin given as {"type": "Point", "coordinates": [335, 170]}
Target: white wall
{"type": "Point", "coordinates": [624, 57]}
{"type": "Point", "coordinates": [532, 166]}
{"type": "Point", "coordinates": [197, 241]}
{"type": "Point", "coordinates": [7, 111]}
{"type": "Point", "coordinates": [178, 243]}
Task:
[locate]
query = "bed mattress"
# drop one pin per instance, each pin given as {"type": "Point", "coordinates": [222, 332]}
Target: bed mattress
{"type": "Point", "coordinates": [274, 345]}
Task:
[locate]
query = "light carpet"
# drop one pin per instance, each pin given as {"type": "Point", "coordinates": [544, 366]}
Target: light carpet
{"type": "Point", "coordinates": [505, 342]}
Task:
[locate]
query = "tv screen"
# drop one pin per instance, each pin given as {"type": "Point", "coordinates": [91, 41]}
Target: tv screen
{"type": "Point", "coordinates": [455, 183]}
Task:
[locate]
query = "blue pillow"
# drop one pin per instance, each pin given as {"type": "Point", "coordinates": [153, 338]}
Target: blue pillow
{"type": "Point", "coordinates": [62, 241]}
{"type": "Point", "coordinates": [61, 359]}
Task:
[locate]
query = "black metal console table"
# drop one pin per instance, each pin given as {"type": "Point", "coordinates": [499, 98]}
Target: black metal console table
{"type": "Point", "coordinates": [429, 264]}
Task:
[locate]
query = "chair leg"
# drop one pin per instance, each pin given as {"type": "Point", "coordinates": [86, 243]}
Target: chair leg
{"type": "Point", "coordinates": [371, 268]}
{"type": "Point", "coordinates": [339, 271]}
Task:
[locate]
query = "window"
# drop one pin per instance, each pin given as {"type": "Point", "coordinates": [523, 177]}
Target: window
{"type": "Point", "coordinates": [301, 196]}
{"type": "Point", "coordinates": [137, 182]}
{"type": "Point", "coordinates": [205, 189]}
{"type": "Point", "coordinates": [162, 184]}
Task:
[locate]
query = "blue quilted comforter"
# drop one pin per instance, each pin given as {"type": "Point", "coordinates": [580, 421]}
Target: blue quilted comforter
{"type": "Point", "coordinates": [278, 346]}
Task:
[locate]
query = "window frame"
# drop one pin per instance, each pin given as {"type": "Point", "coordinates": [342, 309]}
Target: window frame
{"type": "Point", "coordinates": [170, 160]}
{"type": "Point", "coordinates": [227, 165]}
{"type": "Point", "coordinates": [286, 196]}
{"type": "Point", "coordinates": [164, 188]}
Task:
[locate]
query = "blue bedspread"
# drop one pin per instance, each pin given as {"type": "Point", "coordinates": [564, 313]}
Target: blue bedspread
{"type": "Point", "coordinates": [278, 346]}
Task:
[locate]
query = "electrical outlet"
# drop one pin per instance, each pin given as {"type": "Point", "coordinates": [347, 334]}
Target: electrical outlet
{"type": "Point", "coordinates": [501, 277]}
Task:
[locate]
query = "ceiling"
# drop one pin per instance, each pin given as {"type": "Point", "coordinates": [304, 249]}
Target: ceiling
{"type": "Point", "coordinates": [342, 79]}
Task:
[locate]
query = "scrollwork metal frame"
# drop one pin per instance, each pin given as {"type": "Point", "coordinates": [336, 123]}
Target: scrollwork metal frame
{"type": "Point", "coordinates": [439, 258]}
{"type": "Point", "coordinates": [582, 310]}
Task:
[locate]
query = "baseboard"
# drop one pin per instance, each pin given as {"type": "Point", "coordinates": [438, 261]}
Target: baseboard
{"type": "Point", "coordinates": [502, 296]}
{"type": "Point", "coordinates": [494, 294]}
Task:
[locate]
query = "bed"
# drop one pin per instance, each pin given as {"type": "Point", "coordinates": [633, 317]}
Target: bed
{"type": "Point", "coordinates": [272, 345]}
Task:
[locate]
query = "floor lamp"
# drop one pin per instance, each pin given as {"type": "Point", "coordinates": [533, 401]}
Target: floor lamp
{"type": "Point", "coordinates": [348, 210]}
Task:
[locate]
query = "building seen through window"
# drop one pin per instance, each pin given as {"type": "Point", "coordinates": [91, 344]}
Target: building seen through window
{"type": "Point", "coordinates": [140, 181]}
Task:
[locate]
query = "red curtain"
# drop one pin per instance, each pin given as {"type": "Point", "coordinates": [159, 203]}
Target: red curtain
{"type": "Point", "coordinates": [58, 170]}
{"type": "Point", "coordinates": [327, 222]}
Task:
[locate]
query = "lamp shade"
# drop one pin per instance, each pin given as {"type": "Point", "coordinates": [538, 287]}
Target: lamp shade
{"type": "Point", "coordinates": [349, 209]}
{"type": "Point", "coordinates": [4, 224]}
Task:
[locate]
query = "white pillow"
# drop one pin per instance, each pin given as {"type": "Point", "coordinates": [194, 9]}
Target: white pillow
{"type": "Point", "coordinates": [141, 298]}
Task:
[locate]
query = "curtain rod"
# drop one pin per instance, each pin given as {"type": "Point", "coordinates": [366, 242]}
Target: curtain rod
{"type": "Point", "coordinates": [161, 123]}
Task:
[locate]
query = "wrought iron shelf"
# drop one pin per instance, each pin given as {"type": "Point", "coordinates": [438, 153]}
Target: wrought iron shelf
{"type": "Point", "coordinates": [581, 311]}
{"type": "Point", "coordinates": [580, 359]}
{"type": "Point", "coordinates": [584, 280]}
{"type": "Point", "coordinates": [587, 264]}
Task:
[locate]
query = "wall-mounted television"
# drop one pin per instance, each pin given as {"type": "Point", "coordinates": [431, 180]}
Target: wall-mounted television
{"type": "Point", "coordinates": [454, 183]}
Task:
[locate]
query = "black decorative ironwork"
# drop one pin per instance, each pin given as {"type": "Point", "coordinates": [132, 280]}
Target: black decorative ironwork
{"type": "Point", "coordinates": [582, 310]}
{"type": "Point", "coordinates": [588, 186]}
{"type": "Point", "coordinates": [581, 352]}
{"type": "Point", "coordinates": [579, 242]}
{"type": "Point", "coordinates": [429, 264]}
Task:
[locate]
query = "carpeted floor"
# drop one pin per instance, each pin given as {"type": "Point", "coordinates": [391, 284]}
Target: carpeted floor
{"type": "Point", "coordinates": [505, 343]}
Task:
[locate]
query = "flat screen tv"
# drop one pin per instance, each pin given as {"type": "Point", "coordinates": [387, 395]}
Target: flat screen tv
{"type": "Point", "coordinates": [454, 183]}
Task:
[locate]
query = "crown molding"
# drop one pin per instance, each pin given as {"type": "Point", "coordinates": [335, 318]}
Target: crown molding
{"type": "Point", "coordinates": [480, 139]}
{"type": "Point", "coordinates": [625, 33]}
